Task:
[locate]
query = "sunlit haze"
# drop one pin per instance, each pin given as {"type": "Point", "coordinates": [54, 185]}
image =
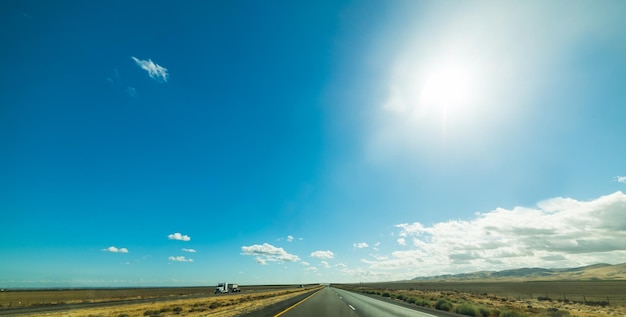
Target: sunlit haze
{"type": "Point", "coordinates": [174, 143]}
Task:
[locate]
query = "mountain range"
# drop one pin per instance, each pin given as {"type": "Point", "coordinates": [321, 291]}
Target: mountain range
{"type": "Point", "coordinates": [601, 271]}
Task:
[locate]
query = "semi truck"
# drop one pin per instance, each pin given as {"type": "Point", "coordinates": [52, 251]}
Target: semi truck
{"type": "Point", "coordinates": [227, 288]}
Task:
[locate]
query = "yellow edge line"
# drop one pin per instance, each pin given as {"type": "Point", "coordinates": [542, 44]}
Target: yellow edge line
{"type": "Point", "coordinates": [298, 303]}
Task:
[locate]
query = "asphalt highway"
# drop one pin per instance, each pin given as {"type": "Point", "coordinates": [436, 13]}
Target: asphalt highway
{"type": "Point", "coordinates": [332, 302]}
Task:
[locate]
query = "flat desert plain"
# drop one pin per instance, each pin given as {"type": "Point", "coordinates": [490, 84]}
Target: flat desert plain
{"type": "Point", "coordinates": [530, 298]}
{"type": "Point", "coordinates": [143, 302]}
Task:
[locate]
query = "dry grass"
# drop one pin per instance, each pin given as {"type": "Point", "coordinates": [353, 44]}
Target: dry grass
{"type": "Point", "coordinates": [22, 298]}
{"type": "Point", "coordinates": [216, 306]}
{"type": "Point", "coordinates": [578, 291]}
{"type": "Point", "coordinates": [494, 305]}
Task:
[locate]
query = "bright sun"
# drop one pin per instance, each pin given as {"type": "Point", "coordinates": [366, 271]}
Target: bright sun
{"type": "Point", "coordinates": [449, 89]}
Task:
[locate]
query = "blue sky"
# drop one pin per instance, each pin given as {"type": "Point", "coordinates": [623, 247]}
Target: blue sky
{"type": "Point", "coordinates": [159, 143]}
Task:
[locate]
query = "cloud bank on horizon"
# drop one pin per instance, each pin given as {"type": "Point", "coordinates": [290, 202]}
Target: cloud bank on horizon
{"type": "Point", "coordinates": [558, 232]}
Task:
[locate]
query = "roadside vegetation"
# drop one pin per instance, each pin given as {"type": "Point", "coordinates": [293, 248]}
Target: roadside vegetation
{"type": "Point", "coordinates": [489, 305]}
{"type": "Point", "coordinates": [225, 305]}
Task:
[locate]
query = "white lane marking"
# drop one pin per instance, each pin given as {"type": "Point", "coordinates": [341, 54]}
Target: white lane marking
{"type": "Point", "coordinates": [352, 307]}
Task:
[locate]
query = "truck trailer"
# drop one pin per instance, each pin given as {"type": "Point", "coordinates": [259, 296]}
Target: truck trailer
{"type": "Point", "coordinates": [227, 288]}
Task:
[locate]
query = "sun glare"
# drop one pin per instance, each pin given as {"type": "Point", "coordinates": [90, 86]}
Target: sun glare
{"type": "Point", "coordinates": [449, 89]}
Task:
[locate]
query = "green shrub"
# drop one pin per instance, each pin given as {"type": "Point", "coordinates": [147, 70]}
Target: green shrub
{"type": "Point", "coordinates": [467, 310]}
{"type": "Point", "coordinates": [386, 294]}
{"type": "Point", "coordinates": [484, 311]}
{"type": "Point", "coordinates": [422, 302]}
{"type": "Point", "coordinates": [410, 300]}
{"type": "Point", "coordinates": [443, 304]}
{"type": "Point", "coordinates": [151, 313]}
{"type": "Point", "coordinates": [400, 297]}
{"type": "Point", "coordinates": [512, 313]}
{"type": "Point", "coordinates": [178, 309]}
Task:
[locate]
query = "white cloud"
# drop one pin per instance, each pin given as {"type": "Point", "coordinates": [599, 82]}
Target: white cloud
{"type": "Point", "coordinates": [360, 245]}
{"type": "Point", "coordinates": [558, 232]}
{"type": "Point", "coordinates": [367, 275]}
{"type": "Point", "coordinates": [115, 250]}
{"type": "Point", "coordinates": [131, 91]}
{"type": "Point", "coordinates": [154, 70]}
{"type": "Point", "coordinates": [402, 241]}
{"type": "Point", "coordinates": [289, 238]}
{"type": "Point", "coordinates": [410, 229]}
{"type": "Point", "coordinates": [621, 179]}
{"type": "Point", "coordinates": [269, 253]}
{"type": "Point", "coordinates": [305, 263]}
{"type": "Point", "coordinates": [379, 257]}
{"type": "Point", "coordinates": [178, 236]}
{"type": "Point", "coordinates": [323, 254]}
{"type": "Point", "coordinates": [342, 265]}
{"type": "Point", "coordinates": [180, 258]}
{"type": "Point", "coordinates": [325, 264]}
{"type": "Point", "coordinates": [189, 250]}
{"type": "Point", "coordinates": [311, 268]}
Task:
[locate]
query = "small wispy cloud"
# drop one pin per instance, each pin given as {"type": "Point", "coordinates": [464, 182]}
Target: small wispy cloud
{"type": "Point", "coordinates": [115, 250]}
{"type": "Point", "coordinates": [360, 245]}
{"type": "Point", "coordinates": [180, 258]}
{"type": "Point", "coordinates": [325, 264]}
{"type": "Point", "coordinates": [268, 253]}
{"type": "Point", "coordinates": [189, 250]}
{"type": "Point", "coordinates": [305, 263]}
{"type": "Point", "coordinates": [155, 71]}
{"type": "Point", "coordinates": [114, 77]}
{"type": "Point", "coordinates": [323, 254]}
{"type": "Point", "coordinates": [179, 236]}
{"type": "Point", "coordinates": [288, 238]}
{"type": "Point", "coordinates": [131, 91]}
{"type": "Point", "coordinates": [620, 179]}
{"type": "Point", "coordinates": [402, 241]}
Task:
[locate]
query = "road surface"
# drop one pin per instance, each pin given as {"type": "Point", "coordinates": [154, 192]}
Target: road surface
{"type": "Point", "coordinates": [332, 302]}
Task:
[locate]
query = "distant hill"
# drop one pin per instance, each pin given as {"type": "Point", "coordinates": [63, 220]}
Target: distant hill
{"type": "Point", "coordinates": [600, 271]}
